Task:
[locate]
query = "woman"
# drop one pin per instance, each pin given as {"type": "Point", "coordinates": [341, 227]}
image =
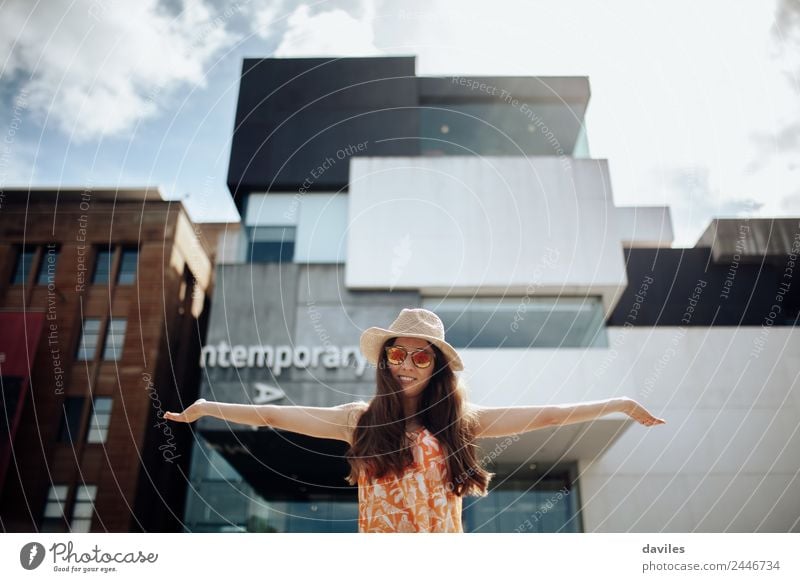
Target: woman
{"type": "Point", "coordinates": [412, 447]}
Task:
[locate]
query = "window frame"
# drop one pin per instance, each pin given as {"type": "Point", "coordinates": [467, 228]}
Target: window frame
{"type": "Point", "coordinates": [111, 351]}
{"type": "Point", "coordinates": [118, 277]}
{"type": "Point", "coordinates": [56, 507]}
{"type": "Point", "coordinates": [21, 250]}
{"type": "Point", "coordinates": [80, 348]}
{"type": "Point", "coordinates": [99, 250]}
{"type": "Point", "coordinates": [283, 255]}
{"type": "Point", "coordinates": [84, 503]}
{"type": "Point", "coordinates": [470, 316]}
{"type": "Point", "coordinates": [41, 267]}
{"type": "Point", "coordinates": [97, 432]}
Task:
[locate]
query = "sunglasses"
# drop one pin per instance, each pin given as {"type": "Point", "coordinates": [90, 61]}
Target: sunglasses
{"type": "Point", "coordinates": [396, 355]}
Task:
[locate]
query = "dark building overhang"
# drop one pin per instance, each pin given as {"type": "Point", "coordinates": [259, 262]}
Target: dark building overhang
{"type": "Point", "coordinates": [751, 240]}
{"type": "Point", "coordinates": [294, 115]}
{"type": "Point", "coordinates": [733, 277]}
{"type": "Point", "coordinates": [282, 465]}
{"type": "Point", "coordinates": [298, 121]}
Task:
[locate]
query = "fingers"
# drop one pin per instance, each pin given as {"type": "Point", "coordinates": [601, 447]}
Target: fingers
{"type": "Point", "coordinates": [644, 417]}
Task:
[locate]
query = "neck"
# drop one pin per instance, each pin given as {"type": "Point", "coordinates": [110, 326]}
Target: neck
{"type": "Point", "coordinates": [410, 408]}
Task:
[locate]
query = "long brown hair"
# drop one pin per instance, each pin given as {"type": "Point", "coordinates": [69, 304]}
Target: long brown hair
{"type": "Point", "coordinates": [380, 445]}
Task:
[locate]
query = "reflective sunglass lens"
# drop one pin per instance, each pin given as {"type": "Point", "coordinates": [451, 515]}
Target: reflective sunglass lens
{"type": "Point", "coordinates": [422, 359]}
{"type": "Point", "coordinates": [395, 355]}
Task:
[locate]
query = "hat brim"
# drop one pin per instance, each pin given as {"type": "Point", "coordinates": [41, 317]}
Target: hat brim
{"type": "Point", "coordinates": [373, 338]}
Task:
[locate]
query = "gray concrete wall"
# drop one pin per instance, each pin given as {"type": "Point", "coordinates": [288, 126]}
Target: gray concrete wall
{"type": "Point", "coordinates": [294, 305]}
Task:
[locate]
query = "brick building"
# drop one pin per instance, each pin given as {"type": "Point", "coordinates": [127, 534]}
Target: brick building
{"type": "Point", "coordinates": [103, 304]}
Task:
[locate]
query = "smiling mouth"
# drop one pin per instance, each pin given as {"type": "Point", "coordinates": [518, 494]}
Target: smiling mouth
{"type": "Point", "coordinates": [406, 378]}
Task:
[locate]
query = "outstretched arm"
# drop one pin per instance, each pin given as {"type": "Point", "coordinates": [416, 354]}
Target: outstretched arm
{"type": "Point", "coordinates": [323, 422]}
{"type": "Point", "coordinates": [505, 421]}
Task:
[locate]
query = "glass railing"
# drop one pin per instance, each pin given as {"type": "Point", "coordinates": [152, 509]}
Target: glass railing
{"type": "Point", "coordinates": [521, 322]}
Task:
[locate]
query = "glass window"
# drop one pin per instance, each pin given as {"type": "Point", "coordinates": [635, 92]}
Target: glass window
{"type": "Point", "coordinates": [314, 516]}
{"type": "Point", "coordinates": [47, 266]}
{"type": "Point", "coordinates": [102, 266]}
{"type": "Point", "coordinates": [523, 507]}
{"type": "Point", "coordinates": [101, 419]}
{"type": "Point", "coordinates": [56, 498]}
{"type": "Point", "coordinates": [493, 128]}
{"type": "Point", "coordinates": [521, 322]}
{"type": "Point", "coordinates": [53, 517]}
{"type": "Point", "coordinates": [127, 267]}
{"type": "Point", "coordinates": [71, 419]}
{"type": "Point", "coordinates": [83, 509]}
{"type": "Point", "coordinates": [23, 267]}
{"type": "Point", "coordinates": [271, 244]}
{"type": "Point", "coordinates": [89, 338]}
{"type": "Point", "coordinates": [115, 338]}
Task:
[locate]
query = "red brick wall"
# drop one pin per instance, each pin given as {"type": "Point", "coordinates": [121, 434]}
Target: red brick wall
{"type": "Point", "coordinates": [129, 467]}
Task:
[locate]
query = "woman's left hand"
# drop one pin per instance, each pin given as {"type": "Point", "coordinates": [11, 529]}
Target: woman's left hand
{"type": "Point", "coordinates": [639, 413]}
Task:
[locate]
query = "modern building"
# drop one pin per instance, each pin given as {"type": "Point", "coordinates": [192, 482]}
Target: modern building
{"type": "Point", "coordinates": [103, 304]}
{"type": "Point", "coordinates": [364, 188]}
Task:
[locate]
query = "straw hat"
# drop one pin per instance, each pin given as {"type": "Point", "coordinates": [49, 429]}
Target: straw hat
{"type": "Point", "coordinates": [419, 323]}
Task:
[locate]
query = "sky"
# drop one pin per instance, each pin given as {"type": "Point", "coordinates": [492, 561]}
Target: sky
{"type": "Point", "coordinates": [694, 104]}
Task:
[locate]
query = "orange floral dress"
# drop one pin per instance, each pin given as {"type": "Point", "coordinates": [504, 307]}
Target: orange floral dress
{"type": "Point", "coordinates": [418, 501]}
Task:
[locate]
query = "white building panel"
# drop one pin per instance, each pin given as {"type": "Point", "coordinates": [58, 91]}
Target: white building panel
{"type": "Point", "coordinates": [272, 209]}
{"type": "Point", "coordinates": [321, 229]}
{"type": "Point", "coordinates": [727, 459]}
{"type": "Point", "coordinates": [482, 225]}
{"type": "Point", "coordinates": [645, 226]}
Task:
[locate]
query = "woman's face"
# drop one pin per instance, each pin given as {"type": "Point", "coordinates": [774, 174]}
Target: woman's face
{"type": "Point", "coordinates": [412, 379]}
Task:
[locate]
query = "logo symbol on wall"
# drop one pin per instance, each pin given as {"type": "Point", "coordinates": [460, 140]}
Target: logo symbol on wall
{"type": "Point", "coordinates": [31, 555]}
{"type": "Point", "coordinates": [267, 393]}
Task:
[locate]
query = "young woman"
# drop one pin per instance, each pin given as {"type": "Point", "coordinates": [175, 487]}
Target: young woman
{"type": "Point", "coordinates": [412, 447]}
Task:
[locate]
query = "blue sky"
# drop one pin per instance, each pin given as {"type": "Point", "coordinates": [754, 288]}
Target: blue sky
{"type": "Point", "coordinates": [694, 104]}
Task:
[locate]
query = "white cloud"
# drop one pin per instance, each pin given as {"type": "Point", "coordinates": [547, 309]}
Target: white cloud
{"type": "Point", "coordinates": [674, 86]}
{"type": "Point", "coordinates": [96, 68]}
{"type": "Point", "coordinates": [693, 200]}
{"type": "Point", "coordinates": [677, 85]}
{"type": "Point", "coordinates": [330, 33]}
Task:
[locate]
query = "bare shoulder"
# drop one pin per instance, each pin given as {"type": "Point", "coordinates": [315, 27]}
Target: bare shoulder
{"type": "Point", "coordinates": [473, 409]}
{"type": "Point", "coordinates": [476, 416]}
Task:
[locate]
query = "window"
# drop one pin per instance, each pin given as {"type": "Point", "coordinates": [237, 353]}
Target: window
{"type": "Point", "coordinates": [521, 322]}
{"type": "Point", "coordinates": [23, 267]}
{"type": "Point", "coordinates": [540, 505]}
{"type": "Point", "coordinates": [47, 265]}
{"type": "Point", "coordinates": [89, 338]}
{"type": "Point", "coordinates": [497, 129]}
{"type": "Point", "coordinates": [127, 267]}
{"type": "Point", "coordinates": [101, 419]}
{"type": "Point", "coordinates": [271, 244]}
{"type": "Point", "coordinates": [71, 420]}
{"type": "Point", "coordinates": [54, 508]}
{"type": "Point", "coordinates": [102, 267]}
{"type": "Point", "coordinates": [83, 509]}
{"type": "Point", "coordinates": [115, 338]}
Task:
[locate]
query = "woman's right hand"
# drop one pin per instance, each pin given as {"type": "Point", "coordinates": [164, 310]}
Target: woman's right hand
{"type": "Point", "coordinates": [192, 413]}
